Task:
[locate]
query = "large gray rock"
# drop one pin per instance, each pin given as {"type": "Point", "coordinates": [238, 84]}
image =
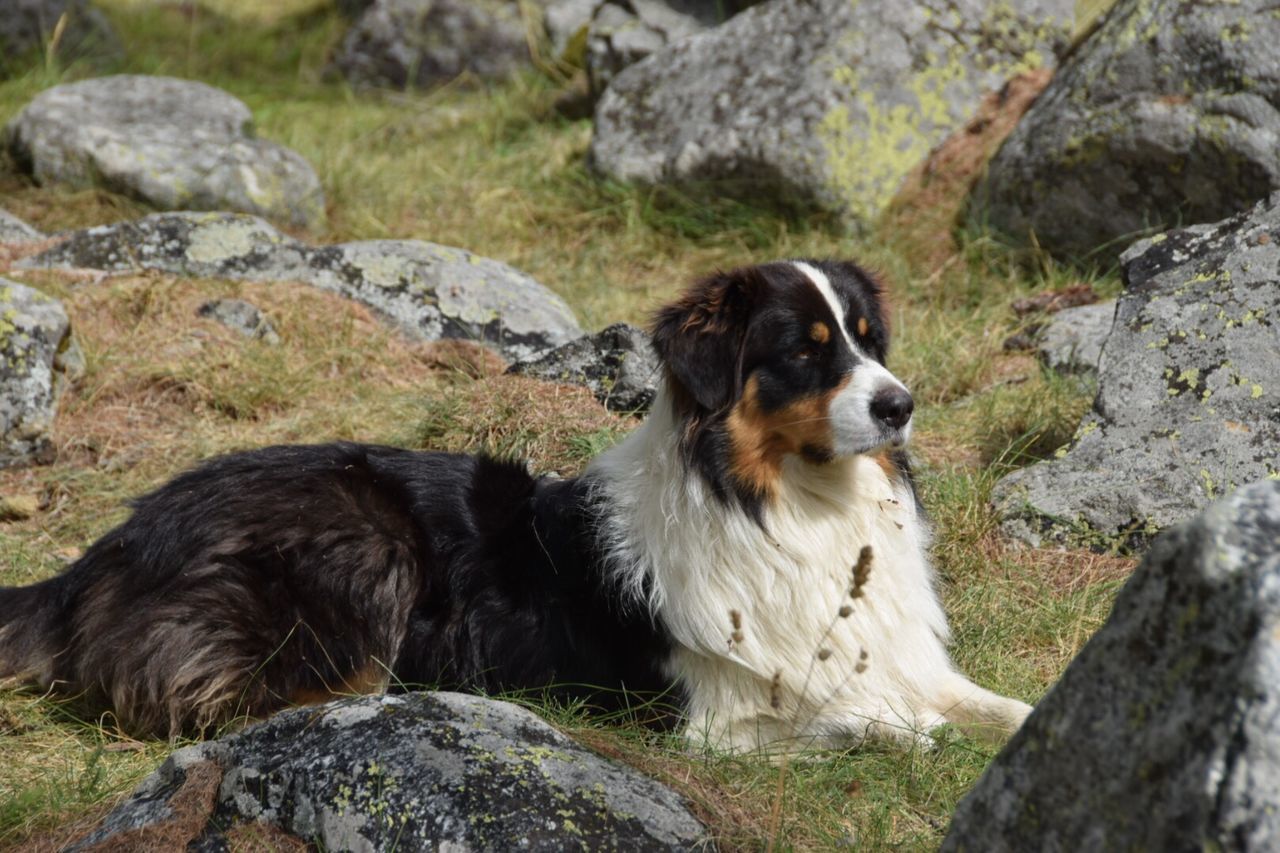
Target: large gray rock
{"type": "Point", "coordinates": [401, 43]}
{"type": "Point", "coordinates": [817, 102]}
{"type": "Point", "coordinates": [1164, 733]}
{"type": "Point", "coordinates": [1188, 404]}
{"type": "Point", "coordinates": [14, 230]}
{"type": "Point", "coordinates": [1072, 340]}
{"type": "Point", "coordinates": [1169, 113]}
{"type": "Point", "coordinates": [37, 357]}
{"type": "Point", "coordinates": [617, 364]}
{"type": "Point", "coordinates": [174, 144]}
{"type": "Point", "coordinates": [27, 29]}
{"type": "Point", "coordinates": [429, 291]}
{"type": "Point", "coordinates": [422, 771]}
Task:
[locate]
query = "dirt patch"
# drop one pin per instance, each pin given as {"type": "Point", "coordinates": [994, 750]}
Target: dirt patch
{"type": "Point", "coordinates": [924, 212]}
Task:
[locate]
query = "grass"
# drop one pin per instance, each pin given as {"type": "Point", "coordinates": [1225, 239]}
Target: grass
{"type": "Point", "coordinates": [496, 171]}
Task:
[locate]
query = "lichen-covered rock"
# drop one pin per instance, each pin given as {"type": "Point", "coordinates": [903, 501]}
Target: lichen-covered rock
{"type": "Point", "coordinates": [818, 102]}
{"type": "Point", "coordinates": [1169, 113]}
{"type": "Point", "coordinates": [27, 29]}
{"type": "Point", "coordinates": [421, 771]}
{"type": "Point", "coordinates": [14, 230]}
{"type": "Point", "coordinates": [442, 292]}
{"type": "Point", "coordinates": [399, 43]}
{"type": "Point", "coordinates": [1188, 405]}
{"type": "Point", "coordinates": [1164, 733]}
{"type": "Point", "coordinates": [617, 364]}
{"type": "Point", "coordinates": [174, 144]}
{"type": "Point", "coordinates": [1072, 340]}
{"type": "Point", "coordinates": [37, 357]}
{"type": "Point", "coordinates": [623, 32]}
{"type": "Point", "coordinates": [241, 316]}
{"type": "Point", "coordinates": [429, 291]}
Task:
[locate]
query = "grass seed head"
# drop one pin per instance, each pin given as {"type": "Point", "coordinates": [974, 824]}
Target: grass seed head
{"type": "Point", "coordinates": [861, 571]}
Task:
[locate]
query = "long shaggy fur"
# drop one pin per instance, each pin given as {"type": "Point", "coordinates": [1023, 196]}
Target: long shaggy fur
{"type": "Point", "coordinates": [753, 554]}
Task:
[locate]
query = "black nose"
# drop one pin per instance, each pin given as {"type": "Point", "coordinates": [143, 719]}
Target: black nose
{"type": "Point", "coordinates": [893, 405]}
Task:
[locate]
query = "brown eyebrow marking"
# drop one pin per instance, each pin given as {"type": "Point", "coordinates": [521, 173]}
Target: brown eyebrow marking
{"type": "Point", "coordinates": [862, 326]}
{"type": "Point", "coordinates": [820, 333]}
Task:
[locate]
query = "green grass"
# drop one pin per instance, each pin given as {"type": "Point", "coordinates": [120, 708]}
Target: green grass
{"type": "Point", "coordinates": [493, 169]}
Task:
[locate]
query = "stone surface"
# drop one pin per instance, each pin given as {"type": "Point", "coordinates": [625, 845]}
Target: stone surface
{"type": "Point", "coordinates": [37, 357]}
{"type": "Point", "coordinates": [27, 29]}
{"type": "Point", "coordinates": [429, 291]}
{"type": "Point", "coordinates": [1188, 404]}
{"type": "Point", "coordinates": [14, 230]}
{"type": "Point", "coordinates": [420, 771]}
{"type": "Point", "coordinates": [623, 32]}
{"type": "Point", "coordinates": [825, 103]}
{"type": "Point", "coordinates": [244, 317]}
{"type": "Point", "coordinates": [1164, 733]}
{"type": "Point", "coordinates": [1072, 340]}
{"type": "Point", "coordinates": [1169, 113]}
{"type": "Point", "coordinates": [399, 43]}
{"type": "Point", "coordinates": [174, 144]}
{"type": "Point", "coordinates": [617, 364]}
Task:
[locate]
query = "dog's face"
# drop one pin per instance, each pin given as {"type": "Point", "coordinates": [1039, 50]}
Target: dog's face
{"type": "Point", "coordinates": [784, 358]}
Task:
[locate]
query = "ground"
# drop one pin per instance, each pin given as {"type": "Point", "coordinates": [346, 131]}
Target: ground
{"type": "Point", "coordinates": [494, 170]}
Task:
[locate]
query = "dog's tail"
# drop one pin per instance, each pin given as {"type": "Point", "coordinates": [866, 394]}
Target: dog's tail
{"type": "Point", "coordinates": [33, 628]}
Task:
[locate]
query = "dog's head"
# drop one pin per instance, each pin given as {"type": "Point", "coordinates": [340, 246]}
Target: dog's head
{"type": "Point", "coordinates": [781, 359]}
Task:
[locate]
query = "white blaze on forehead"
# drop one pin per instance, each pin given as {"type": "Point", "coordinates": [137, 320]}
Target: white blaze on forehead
{"type": "Point", "coordinates": [820, 281]}
{"type": "Point", "coordinates": [853, 429]}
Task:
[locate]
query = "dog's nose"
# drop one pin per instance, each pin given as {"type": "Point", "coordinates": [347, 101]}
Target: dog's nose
{"type": "Point", "coordinates": [892, 405]}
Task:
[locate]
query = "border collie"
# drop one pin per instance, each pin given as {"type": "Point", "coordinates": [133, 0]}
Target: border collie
{"type": "Point", "coordinates": [753, 551]}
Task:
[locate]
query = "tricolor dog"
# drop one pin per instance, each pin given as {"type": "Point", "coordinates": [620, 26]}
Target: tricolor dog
{"type": "Point", "coordinates": [753, 552]}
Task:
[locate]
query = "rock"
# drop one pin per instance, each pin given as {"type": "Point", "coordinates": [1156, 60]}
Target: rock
{"type": "Point", "coordinates": [174, 144]}
{"type": "Point", "coordinates": [243, 317]}
{"type": "Point", "coordinates": [428, 291]}
{"type": "Point", "coordinates": [28, 27]}
{"type": "Point", "coordinates": [617, 364]}
{"type": "Point", "coordinates": [1169, 113]}
{"type": "Point", "coordinates": [418, 771]}
{"type": "Point", "coordinates": [400, 43]}
{"type": "Point", "coordinates": [442, 292]}
{"type": "Point", "coordinates": [623, 32]}
{"type": "Point", "coordinates": [37, 357]}
{"type": "Point", "coordinates": [567, 21]}
{"type": "Point", "coordinates": [1072, 341]}
{"type": "Point", "coordinates": [1187, 407]}
{"type": "Point", "coordinates": [14, 230]}
{"type": "Point", "coordinates": [821, 103]}
{"type": "Point", "coordinates": [1054, 300]}
{"type": "Point", "coordinates": [1164, 733]}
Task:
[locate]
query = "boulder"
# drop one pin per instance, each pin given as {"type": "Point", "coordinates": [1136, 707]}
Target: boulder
{"type": "Point", "coordinates": [1072, 340]}
{"type": "Point", "coordinates": [1188, 405]}
{"type": "Point", "coordinates": [623, 32]}
{"type": "Point", "coordinates": [419, 771]}
{"type": "Point", "coordinates": [240, 316]}
{"type": "Point", "coordinates": [14, 230]}
{"type": "Point", "coordinates": [428, 291]}
{"type": "Point", "coordinates": [1169, 113]}
{"type": "Point", "coordinates": [400, 43]}
{"type": "Point", "coordinates": [37, 358]}
{"type": "Point", "coordinates": [617, 364]}
{"type": "Point", "coordinates": [818, 103]}
{"type": "Point", "coordinates": [173, 144]}
{"type": "Point", "coordinates": [28, 27]}
{"type": "Point", "coordinates": [1164, 732]}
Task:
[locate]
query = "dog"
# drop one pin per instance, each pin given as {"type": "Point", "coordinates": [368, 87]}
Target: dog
{"type": "Point", "coordinates": [753, 553]}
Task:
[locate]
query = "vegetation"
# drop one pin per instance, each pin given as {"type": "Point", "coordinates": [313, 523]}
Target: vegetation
{"type": "Point", "coordinates": [495, 170]}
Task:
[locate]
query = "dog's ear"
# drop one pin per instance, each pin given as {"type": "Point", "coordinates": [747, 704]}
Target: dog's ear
{"type": "Point", "coordinates": [700, 336]}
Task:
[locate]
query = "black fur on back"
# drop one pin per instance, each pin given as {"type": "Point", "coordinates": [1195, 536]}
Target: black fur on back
{"type": "Point", "coordinates": [291, 573]}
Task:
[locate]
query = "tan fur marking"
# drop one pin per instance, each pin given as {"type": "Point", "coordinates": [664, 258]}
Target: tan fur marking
{"type": "Point", "coordinates": [820, 332]}
{"type": "Point", "coordinates": [371, 679]}
{"type": "Point", "coordinates": [762, 439]}
{"type": "Point", "coordinates": [886, 463]}
{"type": "Point", "coordinates": [863, 327]}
